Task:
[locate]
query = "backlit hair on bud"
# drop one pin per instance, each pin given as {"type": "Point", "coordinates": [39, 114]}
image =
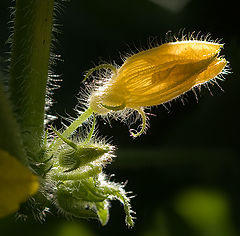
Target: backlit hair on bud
{"type": "Point", "coordinates": [157, 75]}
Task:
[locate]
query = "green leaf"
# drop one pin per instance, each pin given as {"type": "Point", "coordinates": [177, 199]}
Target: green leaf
{"type": "Point", "coordinates": [10, 138]}
{"type": "Point", "coordinates": [17, 183]}
{"type": "Point", "coordinates": [103, 212]}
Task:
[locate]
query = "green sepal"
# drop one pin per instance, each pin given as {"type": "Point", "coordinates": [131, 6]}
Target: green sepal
{"type": "Point", "coordinates": [103, 211]}
{"type": "Point", "coordinates": [40, 162]}
{"type": "Point", "coordinates": [114, 108]}
{"type": "Point", "coordinates": [117, 192]}
{"type": "Point", "coordinates": [67, 141]}
{"type": "Point", "coordinates": [100, 67]}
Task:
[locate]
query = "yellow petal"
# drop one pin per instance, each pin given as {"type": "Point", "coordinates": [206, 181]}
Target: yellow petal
{"type": "Point", "coordinates": [158, 75]}
{"type": "Point", "coordinates": [17, 183]}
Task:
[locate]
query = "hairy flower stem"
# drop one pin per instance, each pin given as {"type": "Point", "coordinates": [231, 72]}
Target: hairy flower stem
{"type": "Point", "coordinates": [10, 138]}
{"type": "Point", "coordinates": [29, 67]}
{"type": "Point", "coordinates": [72, 127]}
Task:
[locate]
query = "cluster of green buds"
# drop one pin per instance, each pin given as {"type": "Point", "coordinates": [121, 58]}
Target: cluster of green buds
{"type": "Point", "coordinates": [78, 186]}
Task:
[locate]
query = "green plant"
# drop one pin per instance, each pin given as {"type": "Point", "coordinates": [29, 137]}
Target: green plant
{"type": "Point", "coordinates": [69, 165]}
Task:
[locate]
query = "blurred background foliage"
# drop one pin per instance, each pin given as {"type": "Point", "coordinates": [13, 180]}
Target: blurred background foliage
{"type": "Point", "coordinates": [185, 170]}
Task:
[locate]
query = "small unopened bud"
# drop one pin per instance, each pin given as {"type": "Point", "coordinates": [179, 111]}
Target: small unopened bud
{"type": "Point", "coordinates": [83, 154]}
{"type": "Point", "coordinates": [83, 199]}
{"type": "Point", "coordinates": [71, 206]}
{"type": "Point", "coordinates": [73, 156]}
{"type": "Point", "coordinates": [158, 75]}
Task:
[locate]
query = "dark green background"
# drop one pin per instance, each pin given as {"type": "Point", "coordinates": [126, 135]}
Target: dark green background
{"type": "Point", "coordinates": [185, 170]}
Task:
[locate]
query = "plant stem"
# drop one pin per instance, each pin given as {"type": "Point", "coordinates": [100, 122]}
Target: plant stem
{"type": "Point", "coordinates": [78, 122]}
{"type": "Point", "coordinates": [10, 137]}
{"type": "Point", "coordinates": [29, 67]}
{"type": "Point", "coordinates": [72, 127]}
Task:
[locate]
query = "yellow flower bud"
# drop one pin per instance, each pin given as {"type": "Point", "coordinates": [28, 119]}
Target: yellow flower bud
{"type": "Point", "coordinates": [158, 75]}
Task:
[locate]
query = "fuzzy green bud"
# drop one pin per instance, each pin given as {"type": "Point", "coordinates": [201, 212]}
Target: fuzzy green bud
{"type": "Point", "coordinates": [71, 206]}
{"type": "Point", "coordinates": [83, 199]}
{"type": "Point", "coordinates": [81, 155]}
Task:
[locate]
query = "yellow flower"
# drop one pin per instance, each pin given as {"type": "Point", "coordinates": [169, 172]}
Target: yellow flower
{"type": "Point", "coordinates": [17, 183]}
{"type": "Point", "coordinates": [158, 75]}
